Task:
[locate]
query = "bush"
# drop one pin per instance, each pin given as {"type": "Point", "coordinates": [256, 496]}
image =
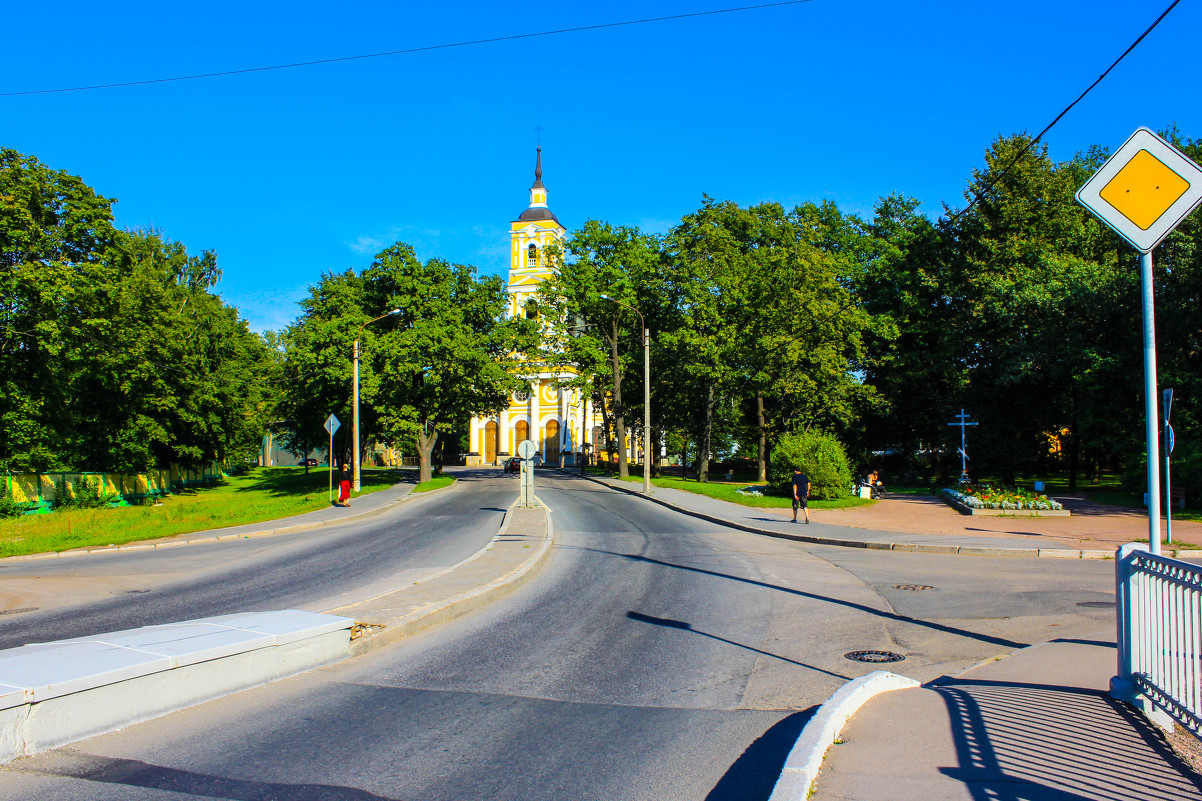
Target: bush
{"type": "Point", "coordinates": [10, 507]}
{"type": "Point", "coordinates": [820, 456]}
{"type": "Point", "coordinates": [86, 493]}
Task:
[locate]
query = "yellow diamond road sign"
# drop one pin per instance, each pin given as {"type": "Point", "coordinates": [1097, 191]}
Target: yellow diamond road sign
{"type": "Point", "coordinates": [1144, 190]}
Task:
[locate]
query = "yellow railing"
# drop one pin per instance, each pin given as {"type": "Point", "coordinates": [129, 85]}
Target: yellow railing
{"type": "Point", "coordinates": [40, 490]}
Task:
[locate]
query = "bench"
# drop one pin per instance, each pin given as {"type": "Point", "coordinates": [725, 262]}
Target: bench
{"type": "Point", "coordinates": [1176, 496]}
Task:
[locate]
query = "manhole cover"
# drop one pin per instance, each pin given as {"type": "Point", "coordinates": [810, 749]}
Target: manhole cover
{"type": "Point", "coordinates": [1097, 604]}
{"type": "Point", "coordinates": [873, 656]}
{"type": "Point", "coordinates": [914, 587]}
{"type": "Point", "coordinates": [18, 611]}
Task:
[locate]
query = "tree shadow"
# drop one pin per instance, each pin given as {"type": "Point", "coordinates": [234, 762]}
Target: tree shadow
{"type": "Point", "coordinates": [680, 624]}
{"type": "Point", "coordinates": [825, 599]}
{"type": "Point", "coordinates": [134, 773]}
{"type": "Point", "coordinates": [753, 775]}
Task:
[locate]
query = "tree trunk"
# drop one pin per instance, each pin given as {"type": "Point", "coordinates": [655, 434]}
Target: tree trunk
{"type": "Point", "coordinates": [607, 423]}
{"type": "Point", "coordinates": [425, 452]}
{"type": "Point", "coordinates": [707, 431]}
{"type": "Point", "coordinates": [763, 426]}
{"type": "Point", "coordinates": [619, 412]}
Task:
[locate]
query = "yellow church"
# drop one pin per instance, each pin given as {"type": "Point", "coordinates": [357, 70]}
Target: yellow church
{"type": "Point", "coordinates": [556, 419]}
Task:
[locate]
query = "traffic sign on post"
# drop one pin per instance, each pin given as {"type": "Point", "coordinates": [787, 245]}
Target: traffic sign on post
{"type": "Point", "coordinates": [331, 425]}
{"type": "Point", "coordinates": [1144, 190]}
{"type": "Point", "coordinates": [526, 450]}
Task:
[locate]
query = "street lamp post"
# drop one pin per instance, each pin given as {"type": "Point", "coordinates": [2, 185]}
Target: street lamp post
{"type": "Point", "coordinates": [646, 394]}
{"type": "Point", "coordinates": [355, 409]}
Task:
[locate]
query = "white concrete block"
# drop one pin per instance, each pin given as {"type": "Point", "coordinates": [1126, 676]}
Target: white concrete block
{"type": "Point", "coordinates": [183, 643]}
{"type": "Point", "coordinates": [284, 626]}
{"type": "Point", "coordinates": [60, 692]}
{"type": "Point", "coordinates": [11, 696]}
{"type": "Point", "coordinates": [55, 669]}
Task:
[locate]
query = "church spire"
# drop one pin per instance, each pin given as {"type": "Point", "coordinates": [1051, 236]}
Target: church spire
{"type": "Point", "coordinates": [538, 192]}
{"type": "Point", "coordinates": [538, 170]}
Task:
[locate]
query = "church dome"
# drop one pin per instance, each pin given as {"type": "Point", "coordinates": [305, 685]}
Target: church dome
{"type": "Point", "coordinates": [536, 213]}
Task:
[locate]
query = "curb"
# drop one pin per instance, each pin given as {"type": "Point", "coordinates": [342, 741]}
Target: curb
{"type": "Point", "coordinates": [267, 532]}
{"type": "Point", "coordinates": [458, 605]}
{"type": "Point", "coordinates": [805, 759]}
{"type": "Point", "coordinates": [124, 700]}
{"type": "Point", "coordinates": [916, 547]}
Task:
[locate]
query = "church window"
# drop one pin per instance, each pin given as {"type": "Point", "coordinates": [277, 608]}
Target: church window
{"type": "Point", "coordinates": [531, 309]}
{"type": "Point", "coordinates": [532, 255]}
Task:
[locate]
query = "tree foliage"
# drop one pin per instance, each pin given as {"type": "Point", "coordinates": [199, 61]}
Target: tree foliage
{"type": "Point", "coordinates": [115, 352]}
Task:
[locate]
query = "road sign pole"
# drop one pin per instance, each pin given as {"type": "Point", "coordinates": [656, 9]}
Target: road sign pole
{"type": "Point", "coordinates": [1152, 428]}
{"type": "Point", "coordinates": [330, 459]}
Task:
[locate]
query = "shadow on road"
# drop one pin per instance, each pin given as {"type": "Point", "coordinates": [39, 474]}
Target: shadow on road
{"type": "Point", "coordinates": [134, 773]}
{"type": "Point", "coordinates": [826, 599]}
{"type": "Point", "coordinates": [680, 624]}
{"type": "Point", "coordinates": [754, 773]}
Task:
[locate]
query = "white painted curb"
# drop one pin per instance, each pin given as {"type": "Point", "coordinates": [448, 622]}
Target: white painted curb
{"type": "Point", "coordinates": [805, 760]}
{"type": "Point", "coordinates": [56, 693]}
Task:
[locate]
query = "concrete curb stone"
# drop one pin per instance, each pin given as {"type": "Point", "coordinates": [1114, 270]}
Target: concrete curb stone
{"type": "Point", "coordinates": [125, 701]}
{"type": "Point", "coordinates": [382, 629]}
{"type": "Point", "coordinates": [805, 759]}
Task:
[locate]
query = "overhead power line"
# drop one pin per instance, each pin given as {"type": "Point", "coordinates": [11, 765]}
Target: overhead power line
{"type": "Point", "coordinates": [444, 46]}
{"type": "Point", "coordinates": [1022, 154]}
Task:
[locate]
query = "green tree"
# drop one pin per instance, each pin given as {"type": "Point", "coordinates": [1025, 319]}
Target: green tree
{"type": "Point", "coordinates": [588, 306]}
{"type": "Point", "coordinates": [448, 354]}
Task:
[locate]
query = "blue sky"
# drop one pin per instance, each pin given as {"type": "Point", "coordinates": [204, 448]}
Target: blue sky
{"type": "Point", "coordinates": [292, 173]}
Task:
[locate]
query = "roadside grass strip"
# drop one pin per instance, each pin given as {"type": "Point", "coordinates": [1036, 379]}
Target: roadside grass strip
{"type": "Point", "coordinates": [745, 494]}
{"type": "Point", "coordinates": [438, 482]}
{"type": "Point", "coordinates": [263, 493]}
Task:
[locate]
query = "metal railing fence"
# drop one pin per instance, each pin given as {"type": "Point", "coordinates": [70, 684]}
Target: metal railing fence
{"type": "Point", "coordinates": [40, 490]}
{"type": "Point", "coordinates": [1159, 604]}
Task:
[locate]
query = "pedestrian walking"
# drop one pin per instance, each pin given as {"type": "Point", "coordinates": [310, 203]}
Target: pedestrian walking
{"type": "Point", "coordinates": [344, 486]}
{"type": "Point", "coordinates": [801, 493]}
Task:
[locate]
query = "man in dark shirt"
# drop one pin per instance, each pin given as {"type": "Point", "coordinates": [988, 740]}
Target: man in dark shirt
{"type": "Point", "coordinates": [801, 493]}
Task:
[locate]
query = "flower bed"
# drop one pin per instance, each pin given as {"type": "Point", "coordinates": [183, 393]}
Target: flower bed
{"type": "Point", "coordinates": [1008, 498]}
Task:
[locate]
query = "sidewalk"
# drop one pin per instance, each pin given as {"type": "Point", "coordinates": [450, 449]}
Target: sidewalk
{"type": "Point", "coordinates": [924, 523]}
{"type": "Point", "coordinates": [1036, 726]}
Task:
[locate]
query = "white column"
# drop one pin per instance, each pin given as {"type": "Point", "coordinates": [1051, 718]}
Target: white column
{"type": "Point", "coordinates": [474, 443]}
{"type": "Point", "coordinates": [534, 412]}
{"type": "Point", "coordinates": [561, 412]}
{"type": "Point", "coordinates": [502, 434]}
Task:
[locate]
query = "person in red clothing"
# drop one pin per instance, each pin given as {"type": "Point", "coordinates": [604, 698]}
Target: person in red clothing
{"type": "Point", "coordinates": [344, 487]}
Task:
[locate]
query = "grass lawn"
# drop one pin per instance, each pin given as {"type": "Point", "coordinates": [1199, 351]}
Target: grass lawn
{"type": "Point", "coordinates": [438, 482]}
{"type": "Point", "coordinates": [725, 491]}
{"type": "Point", "coordinates": [263, 493]}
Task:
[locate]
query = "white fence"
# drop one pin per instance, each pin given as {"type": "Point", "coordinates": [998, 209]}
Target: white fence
{"type": "Point", "coordinates": [1160, 634]}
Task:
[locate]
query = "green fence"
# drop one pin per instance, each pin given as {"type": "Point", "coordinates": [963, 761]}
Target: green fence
{"type": "Point", "coordinates": [40, 490]}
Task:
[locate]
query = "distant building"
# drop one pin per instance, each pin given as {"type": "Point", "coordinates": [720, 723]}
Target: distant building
{"type": "Point", "coordinates": [551, 417]}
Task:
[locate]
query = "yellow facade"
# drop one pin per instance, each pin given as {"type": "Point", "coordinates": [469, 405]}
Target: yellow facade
{"type": "Point", "coordinates": [552, 417]}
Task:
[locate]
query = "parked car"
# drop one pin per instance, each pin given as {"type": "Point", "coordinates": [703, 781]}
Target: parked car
{"type": "Point", "coordinates": [308, 463]}
{"type": "Point", "coordinates": [513, 464]}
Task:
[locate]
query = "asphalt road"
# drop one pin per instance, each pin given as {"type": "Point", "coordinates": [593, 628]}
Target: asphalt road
{"type": "Point", "coordinates": [655, 657]}
{"type": "Point", "coordinates": [317, 570]}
